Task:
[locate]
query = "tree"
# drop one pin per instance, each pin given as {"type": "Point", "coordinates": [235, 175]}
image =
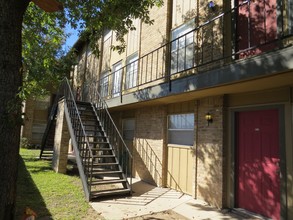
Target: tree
{"type": "Point", "coordinates": [93, 16]}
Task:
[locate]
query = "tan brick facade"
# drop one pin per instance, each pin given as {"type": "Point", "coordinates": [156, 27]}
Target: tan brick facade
{"type": "Point", "coordinates": [209, 151]}
{"type": "Point", "coordinates": [28, 120]}
{"type": "Point", "coordinates": [150, 144]}
{"type": "Point", "coordinates": [201, 88]}
{"type": "Point", "coordinates": [149, 140]}
{"type": "Point", "coordinates": [61, 141]}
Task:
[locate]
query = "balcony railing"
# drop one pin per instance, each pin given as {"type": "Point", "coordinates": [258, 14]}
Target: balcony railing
{"type": "Point", "coordinates": [248, 29]}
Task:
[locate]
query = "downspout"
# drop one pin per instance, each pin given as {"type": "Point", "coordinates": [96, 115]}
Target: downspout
{"type": "Point", "coordinates": [84, 70]}
{"type": "Point", "coordinates": [100, 64]}
{"type": "Point", "coordinates": [168, 61]}
{"type": "Point", "coordinates": [168, 39]}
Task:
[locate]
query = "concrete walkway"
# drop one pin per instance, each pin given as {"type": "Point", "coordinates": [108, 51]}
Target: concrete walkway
{"type": "Point", "coordinates": [148, 200]}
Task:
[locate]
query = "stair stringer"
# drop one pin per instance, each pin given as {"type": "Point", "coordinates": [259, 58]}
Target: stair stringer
{"type": "Point", "coordinates": [77, 155]}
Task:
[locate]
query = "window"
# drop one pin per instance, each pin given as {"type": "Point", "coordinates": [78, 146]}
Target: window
{"type": "Point", "coordinates": [131, 71]}
{"type": "Point", "coordinates": [181, 129]}
{"type": "Point", "coordinates": [128, 126]}
{"type": "Point", "coordinates": [182, 48]}
{"type": "Point", "coordinates": [117, 68]}
{"type": "Point", "coordinates": [290, 16]}
{"type": "Point", "coordinates": [107, 35]}
{"type": "Point", "coordinates": [104, 84]}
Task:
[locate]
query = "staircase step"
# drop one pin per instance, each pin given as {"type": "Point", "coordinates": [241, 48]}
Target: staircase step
{"type": "Point", "coordinates": [109, 192]}
{"type": "Point", "coordinates": [101, 149]}
{"type": "Point", "coordinates": [93, 142]}
{"type": "Point", "coordinates": [86, 157]}
{"type": "Point", "coordinates": [87, 119]}
{"type": "Point", "coordinates": [111, 181]}
{"type": "Point", "coordinates": [103, 156]}
{"type": "Point", "coordinates": [92, 136]}
{"type": "Point", "coordinates": [83, 103]}
{"type": "Point", "coordinates": [88, 130]}
{"type": "Point", "coordinates": [104, 164]}
{"type": "Point", "coordinates": [106, 172]}
{"type": "Point", "coordinates": [100, 156]}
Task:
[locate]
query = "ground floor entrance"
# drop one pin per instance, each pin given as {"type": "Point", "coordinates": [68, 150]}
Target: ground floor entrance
{"type": "Point", "coordinates": [257, 162]}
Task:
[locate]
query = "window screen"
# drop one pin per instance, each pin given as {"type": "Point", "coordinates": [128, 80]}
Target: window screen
{"type": "Point", "coordinates": [181, 129]}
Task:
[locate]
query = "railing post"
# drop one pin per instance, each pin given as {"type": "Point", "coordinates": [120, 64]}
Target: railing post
{"type": "Point", "coordinates": [168, 65]}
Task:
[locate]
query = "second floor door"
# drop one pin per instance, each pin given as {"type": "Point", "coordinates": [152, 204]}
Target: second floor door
{"type": "Point", "coordinates": [256, 26]}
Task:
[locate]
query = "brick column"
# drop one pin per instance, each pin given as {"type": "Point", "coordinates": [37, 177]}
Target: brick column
{"type": "Point", "coordinates": [28, 119]}
{"type": "Point", "coordinates": [210, 151]}
{"type": "Point", "coordinates": [61, 141]}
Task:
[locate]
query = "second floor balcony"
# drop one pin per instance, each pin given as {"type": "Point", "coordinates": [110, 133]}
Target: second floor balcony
{"type": "Point", "coordinates": [251, 39]}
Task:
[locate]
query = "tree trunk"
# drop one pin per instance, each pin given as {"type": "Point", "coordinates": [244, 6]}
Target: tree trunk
{"type": "Point", "coordinates": [11, 15]}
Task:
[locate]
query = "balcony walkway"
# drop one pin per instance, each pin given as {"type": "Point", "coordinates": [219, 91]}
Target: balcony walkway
{"type": "Point", "coordinates": [150, 202]}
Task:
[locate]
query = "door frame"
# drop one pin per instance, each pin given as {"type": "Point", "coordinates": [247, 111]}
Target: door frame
{"type": "Point", "coordinates": [232, 163]}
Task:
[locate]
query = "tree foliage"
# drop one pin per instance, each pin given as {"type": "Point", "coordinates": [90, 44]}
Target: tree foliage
{"type": "Point", "coordinates": [44, 59]}
{"type": "Point", "coordinates": [96, 16]}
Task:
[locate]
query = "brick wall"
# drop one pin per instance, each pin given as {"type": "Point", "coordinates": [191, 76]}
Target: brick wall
{"type": "Point", "coordinates": [28, 119]}
{"type": "Point", "coordinates": [61, 141]}
{"type": "Point", "coordinates": [148, 151]}
{"type": "Point", "coordinates": [210, 151]}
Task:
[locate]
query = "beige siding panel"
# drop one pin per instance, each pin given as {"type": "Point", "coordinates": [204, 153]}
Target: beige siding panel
{"type": "Point", "coordinates": [106, 54]}
{"type": "Point", "coordinates": [183, 10]}
{"type": "Point", "coordinates": [180, 168]}
{"type": "Point", "coordinates": [263, 97]}
{"type": "Point", "coordinates": [115, 56]}
{"type": "Point", "coordinates": [133, 38]}
{"type": "Point", "coordinates": [152, 37]}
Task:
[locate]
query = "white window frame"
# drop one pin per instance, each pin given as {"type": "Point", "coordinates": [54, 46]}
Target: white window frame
{"type": "Point", "coordinates": [104, 84]}
{"type": "Point", "coordinates": [182, 48]}
{"type": "Point", "coordinates": [131, 71]}
{"type": "Point", "coordinates": [117, 76]}
{"type": "Point", "coordinates": [181, 125]}
{"type": "Point", "coordinates": [107, 35]}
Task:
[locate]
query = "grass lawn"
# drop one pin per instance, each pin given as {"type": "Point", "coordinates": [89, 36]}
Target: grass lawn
{"type": "Point", "coordinates": [49, 194]}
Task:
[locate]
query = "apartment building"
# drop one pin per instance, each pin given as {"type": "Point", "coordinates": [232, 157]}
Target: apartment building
{"type": "Point", "coordinates": [203, 98]}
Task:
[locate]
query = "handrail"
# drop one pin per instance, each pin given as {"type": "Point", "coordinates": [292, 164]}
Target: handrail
{"type": "Point", "coordinates": [50, 120]}
{"type": "Point", "coordinates": [70, 97]}
{"type": "Point", "coordinates": [98, 99]}
{"type": "Point", "coordinates": [81, 141]}
{"type": "Point", "coordinates": [115, 139]}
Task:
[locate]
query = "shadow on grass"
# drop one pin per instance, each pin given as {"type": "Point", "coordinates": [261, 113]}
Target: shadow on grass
{"type": "Point", "coordinates": [28, 194]}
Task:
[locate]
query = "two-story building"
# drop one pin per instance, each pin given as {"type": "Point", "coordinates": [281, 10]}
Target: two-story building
{"type": "Point", "coordinates": [203, 98]}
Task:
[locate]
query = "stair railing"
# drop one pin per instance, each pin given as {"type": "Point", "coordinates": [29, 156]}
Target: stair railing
{"type": "Point", "coordinates": [81, 143]}
{"type": "Point", "coordinates": [51, 118]}
{"type": "Point", "coordinates": [116, 141]}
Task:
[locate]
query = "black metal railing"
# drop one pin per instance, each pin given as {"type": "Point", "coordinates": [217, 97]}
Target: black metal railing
{"type": "Point", "coordinates": [50, 121]}
{"type": "Point", "coordinates": [121, 151]}
{"type": "Point", "coordinates": [229, 36]}
{"type": "Point", "coordinates": [81, 141]}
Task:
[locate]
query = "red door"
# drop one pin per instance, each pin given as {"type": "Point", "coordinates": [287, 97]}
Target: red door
{"type": "Point", "coordinates": [256, 25]}
{"type": "Point", "coordinates": [258, 172]}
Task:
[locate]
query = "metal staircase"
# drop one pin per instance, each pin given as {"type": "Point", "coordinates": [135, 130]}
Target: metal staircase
{"type": "Point", "coordinates": [103, 159]}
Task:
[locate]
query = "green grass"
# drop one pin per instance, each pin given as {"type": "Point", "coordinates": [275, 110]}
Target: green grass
{"type": "Point", "coordinates": [49, 194]}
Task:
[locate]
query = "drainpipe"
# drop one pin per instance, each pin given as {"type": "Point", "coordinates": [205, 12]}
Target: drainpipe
{"type": "Point", "coordinates": [84, 71]}
{"type": "Point", "coordinates": [168, 38]}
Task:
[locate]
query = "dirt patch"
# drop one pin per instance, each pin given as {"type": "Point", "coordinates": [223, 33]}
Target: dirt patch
{"type": "Point", "coordinates": [168, 214]}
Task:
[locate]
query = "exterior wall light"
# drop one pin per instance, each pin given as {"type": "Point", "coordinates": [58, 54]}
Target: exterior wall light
{"type": "Point", "coordinates": [209, 118]}
{"type": "Point", "coordinates": [212, 5]}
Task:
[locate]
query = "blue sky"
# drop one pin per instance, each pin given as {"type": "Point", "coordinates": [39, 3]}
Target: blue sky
{"type": "Point", "coordinates": [71, 39]}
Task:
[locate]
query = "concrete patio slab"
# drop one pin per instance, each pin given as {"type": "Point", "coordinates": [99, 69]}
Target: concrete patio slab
{"type": "Point", "coordinates": [150, 200]}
